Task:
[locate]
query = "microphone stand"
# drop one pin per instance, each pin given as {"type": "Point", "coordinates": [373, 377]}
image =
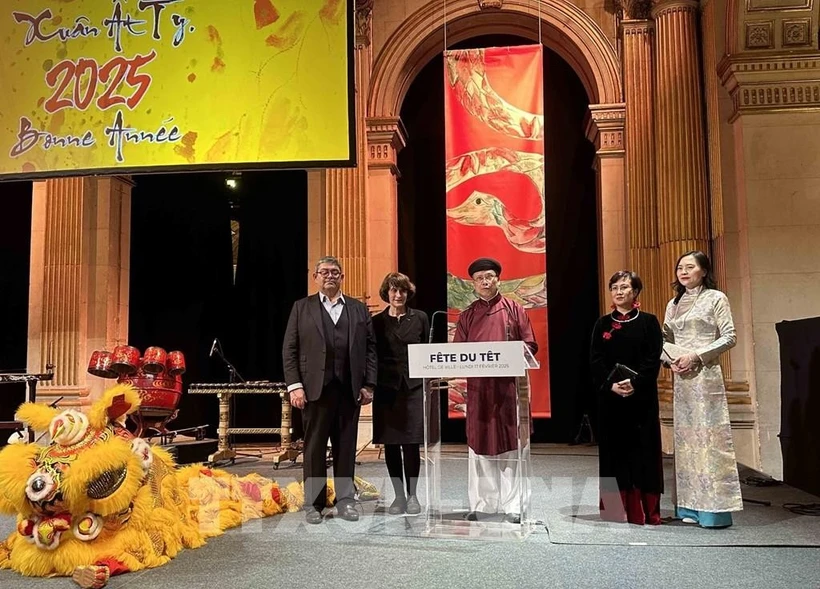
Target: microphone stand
{"type": "Point", "coordinates": [433, 324]}
{"type": "Point", "coordinates": [232, 371]}
{"type": "Point", "coordinates": [431, 387]}
{"type": "Point", "coordinates": [233, 377]}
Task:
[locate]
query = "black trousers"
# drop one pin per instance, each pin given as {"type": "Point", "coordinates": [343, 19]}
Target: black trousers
{"type": "Point", "coordinates": [334, 416]}
{"type": "Point", "coordinates": [411, 467]}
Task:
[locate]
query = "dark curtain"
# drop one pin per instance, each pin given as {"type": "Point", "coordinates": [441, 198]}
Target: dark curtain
{"type": "Point", "coordinates": [800, 402]}
{"type": "Point", "coordinates": [271, 274]}
{"type": "Point", "coordinates": [15, 255]}
{"type": "Point", "coordinates": [181, 275]}
{"type": "Point", "coordinates": [422, 200]}
{"type": "Point", "coordinates": [182, 290]}
{"type": "Point", "coordinates": [572, 248]}
{"type": "Point", "coordinates": [572, 276]}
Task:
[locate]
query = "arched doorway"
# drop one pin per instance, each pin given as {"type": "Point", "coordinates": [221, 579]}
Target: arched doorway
{"type": "Point", "coordinates": [579, 41]}
{"type": "Point", "coordinates": [565, 29]}
{"type": "Point", "coordinates": [570, 212]}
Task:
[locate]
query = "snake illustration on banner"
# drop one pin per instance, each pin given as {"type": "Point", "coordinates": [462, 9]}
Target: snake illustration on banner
{"type": "Point", "coordinates": [480, 208]}
{"type": "Point", "coordinates": [467, 75]}
{"type": "Point", "coordinates": [495, 194]}
{"type": "Point", "coordinates": [529, 292]}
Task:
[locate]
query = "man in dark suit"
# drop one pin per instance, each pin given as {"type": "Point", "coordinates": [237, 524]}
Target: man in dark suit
{"type": "Point", "coordinates": [329, 355]}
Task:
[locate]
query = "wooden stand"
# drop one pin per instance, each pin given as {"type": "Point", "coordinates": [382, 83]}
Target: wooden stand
{"type": "Point", "coordinates": [224, 392]}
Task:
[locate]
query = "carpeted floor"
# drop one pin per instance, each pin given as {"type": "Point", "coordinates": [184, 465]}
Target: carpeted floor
{"type": "Point", "coordinates": [763, 549]}
{"type": "Point", "coordinates": [568, 500]}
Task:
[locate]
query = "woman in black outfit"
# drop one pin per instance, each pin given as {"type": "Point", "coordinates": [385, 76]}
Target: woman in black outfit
{"type": "Point", "coordinates": [629, 432]}
{"type": "Point", "coordinates": [398, 403]}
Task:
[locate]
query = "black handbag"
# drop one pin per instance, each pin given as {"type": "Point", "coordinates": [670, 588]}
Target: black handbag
{"type": "Point", "coordinates": [621, 372]}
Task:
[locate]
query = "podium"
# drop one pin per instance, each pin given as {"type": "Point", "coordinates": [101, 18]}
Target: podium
{"type": "Point", "coordinates": [468, 494]}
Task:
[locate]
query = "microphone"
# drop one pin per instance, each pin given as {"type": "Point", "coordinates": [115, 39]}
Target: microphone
{"type": "Point", "coordinates": [433, 324]}
{"type": "Point", "coordinates": [213, 348]}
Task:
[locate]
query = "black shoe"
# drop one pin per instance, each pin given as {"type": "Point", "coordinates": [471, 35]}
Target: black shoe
{"type": "Point", "coordinates": [413, 507]}
{"type": "Point", "coordinates": [398, 506]}
{"type": "Point", "coordinates": [512, 518]}
{"type": "Point", "coordinates": [347, 512]}
{"type": "Point", "coordinates": [472, 516]}
{"type": "Point", "coordinates": [312, 516]}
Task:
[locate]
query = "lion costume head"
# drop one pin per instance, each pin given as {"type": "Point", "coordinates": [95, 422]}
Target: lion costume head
{"type": "Point", "coordinates": [97, 501]}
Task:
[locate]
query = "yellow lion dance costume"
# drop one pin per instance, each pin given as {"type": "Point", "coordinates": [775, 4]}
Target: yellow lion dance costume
{"type": "Point", "coordinates": [98, 502]}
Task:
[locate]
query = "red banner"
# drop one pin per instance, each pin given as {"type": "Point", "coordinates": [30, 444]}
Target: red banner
{"type": "Point", "coordinates": [494, 146]}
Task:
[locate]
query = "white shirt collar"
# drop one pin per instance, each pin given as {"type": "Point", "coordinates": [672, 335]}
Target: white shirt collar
{"type": "Point", "coordinates": [324, 298]}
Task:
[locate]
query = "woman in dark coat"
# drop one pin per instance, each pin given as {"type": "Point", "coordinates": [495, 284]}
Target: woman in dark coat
{"type": "Point", "coordinates": [398, 403]}
{"type": "Point", "coordinates": [629, 432]}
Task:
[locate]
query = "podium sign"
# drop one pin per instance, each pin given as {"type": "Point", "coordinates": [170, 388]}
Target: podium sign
{"type": "Point", "coordinates": [466, 359]}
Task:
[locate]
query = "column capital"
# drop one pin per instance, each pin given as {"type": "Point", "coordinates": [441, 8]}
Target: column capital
{"type": "Point", "coordinates": [605, 128]}
{"type": "Point", "coordinates": [364, 19]}
{"type": "Point", "coordinates": [769, 84]}
{"type": "Point", "coordinates": [386, 137]}
{"type": "Point", "coordinates": [662, 7]}
{"type": "Point", "coordinates": [637, 27]}
{"type": "Point", "coordinates": [634, 9]}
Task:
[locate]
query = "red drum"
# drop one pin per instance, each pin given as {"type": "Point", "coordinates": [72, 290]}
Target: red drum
{"type": "Point", "coordinates": [153, 362]}
{"type": "Point", "coordinates": [126, 360]}
{"type": "Point", "coordinates": [100, 364]}
{"type": "Point", "coordinates": [159, 398]}
{"type": "Point", "coordinates": [176, 363]}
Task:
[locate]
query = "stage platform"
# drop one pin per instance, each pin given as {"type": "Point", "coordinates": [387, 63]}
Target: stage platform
{"type": "Point", "coordinates": [767, 546]}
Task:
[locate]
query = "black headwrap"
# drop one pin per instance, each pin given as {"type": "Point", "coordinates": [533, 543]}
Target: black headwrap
{"type": "Point", "coordinates": [482, 264]}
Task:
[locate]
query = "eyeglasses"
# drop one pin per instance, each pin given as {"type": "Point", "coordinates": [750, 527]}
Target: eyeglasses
{"type": "Point", "coordinates": [485, 278]}
{"type": "Point", "coordinates": [333, 273]}
{"type": "Point", "coordinates": [622, 288]}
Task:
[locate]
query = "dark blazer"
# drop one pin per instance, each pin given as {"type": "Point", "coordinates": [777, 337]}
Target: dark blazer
{"type": "Point", "coordinates": [392, 351]}
{"type": "Point", "coordinates": [303, 349]}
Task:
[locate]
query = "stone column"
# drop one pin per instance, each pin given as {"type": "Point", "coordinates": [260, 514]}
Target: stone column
{"type": "Point", "coordinates": [346, 204]}
{"type": "Point", "coordinates": [344, 227]}
{"type": "Point", "coordinates": [317, 220]}
{"type": "Point", "coordinates": [682, 197]}
{"type": "Point", "coordinates": [385, 138]}
{"type": "Point", "coordinates": [78, 296]}
{"type": "Point", "coordinates": [380, 238]}
{"type": "Point", "coordinates": [683, 201]}
{"type": "Point", "coordinates": [638, 34]}
{"type": "Point", "coordinates": [711, 86]}
{"type": "Point", "coordinates": [605, 129]}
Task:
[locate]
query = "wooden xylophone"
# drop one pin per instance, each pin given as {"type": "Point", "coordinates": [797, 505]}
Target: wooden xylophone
{"type": "Point", "coordinates": [224, 392]}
